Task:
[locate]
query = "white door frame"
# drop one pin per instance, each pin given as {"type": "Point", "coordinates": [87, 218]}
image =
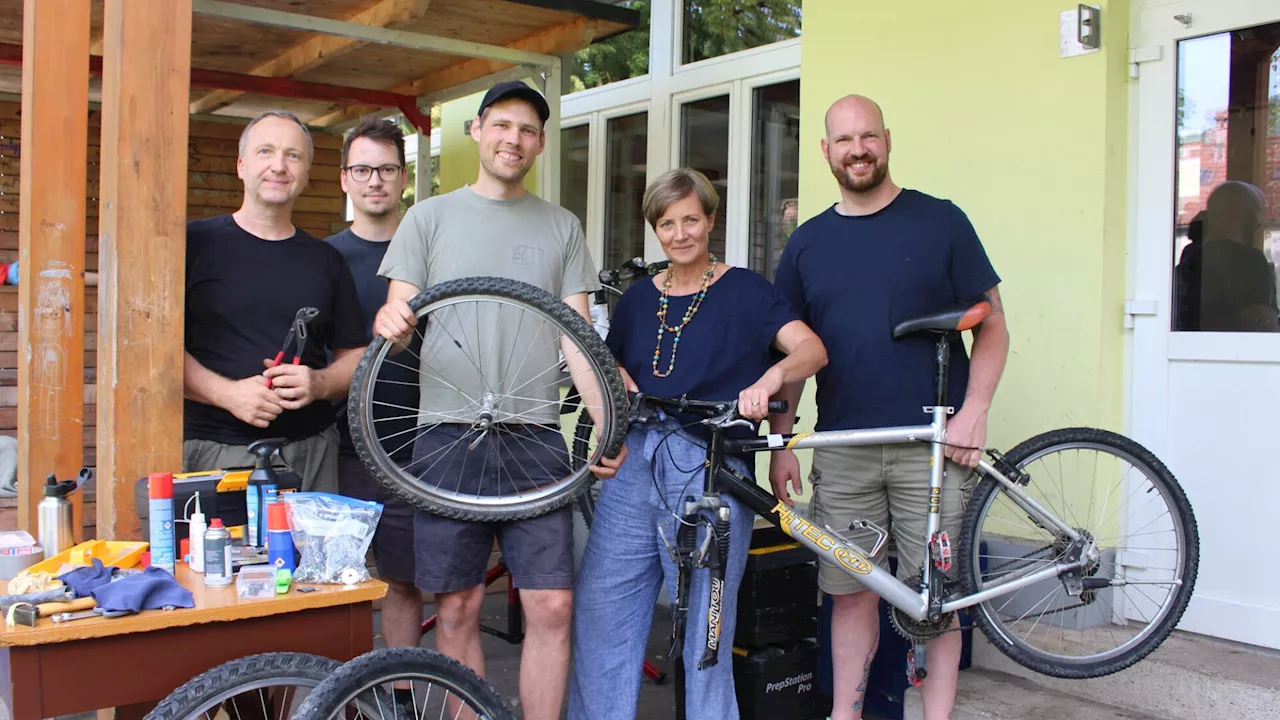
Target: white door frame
{"type": "Point", "coordinates": [1157, 28]}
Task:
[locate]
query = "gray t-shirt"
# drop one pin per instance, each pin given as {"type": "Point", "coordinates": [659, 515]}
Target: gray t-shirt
{"type": "Point", "coordinates": [474, 351]}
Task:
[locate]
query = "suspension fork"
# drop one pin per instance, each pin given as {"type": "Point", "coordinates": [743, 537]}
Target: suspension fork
{"type": "Point", "coordinates": [713, 555]}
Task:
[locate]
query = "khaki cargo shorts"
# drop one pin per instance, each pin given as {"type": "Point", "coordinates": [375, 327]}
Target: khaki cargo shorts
{"type": "Point", "coordinates": [889, 486]}
{"type": "Point", "coordinates": [314, 458]}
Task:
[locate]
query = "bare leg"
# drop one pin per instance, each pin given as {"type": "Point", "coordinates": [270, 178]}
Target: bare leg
{"type": "Point", "coordinates": [458, 626]}
{"type": "Point", "coordinates": [855, 635]}
{"type": "Point", "coordinates": [544, 660]}
{"type": "Point", "coordinates": [939, 689]}
{"type": "Point", "coordinates": [402, 614]}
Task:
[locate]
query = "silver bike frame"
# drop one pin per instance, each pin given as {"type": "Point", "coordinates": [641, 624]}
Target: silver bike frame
{"type": "Point", "coordinates": [855, 561]}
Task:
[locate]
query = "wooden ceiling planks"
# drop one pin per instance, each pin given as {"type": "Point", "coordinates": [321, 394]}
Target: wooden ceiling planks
{"type": "Point", "coordinates": [555, 27]}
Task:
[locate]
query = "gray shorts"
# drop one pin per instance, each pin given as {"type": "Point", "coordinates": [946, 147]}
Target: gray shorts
{"type": "Point", "coordinates": [314, 458]}
{"type": "Point", "coordinates": [888, 485]}
{"type": "Point", "coordinates": [452, 555]}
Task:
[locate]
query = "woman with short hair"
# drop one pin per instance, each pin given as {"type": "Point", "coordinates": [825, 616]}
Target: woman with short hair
{"type": "Point", "coordinates": [708, 331]}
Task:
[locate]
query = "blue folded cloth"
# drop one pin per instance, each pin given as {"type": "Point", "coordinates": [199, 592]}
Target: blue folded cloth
{"type": "Point", "coordinates": [84, 580]}
{"type": "Point", "coordinates": [151, 589]}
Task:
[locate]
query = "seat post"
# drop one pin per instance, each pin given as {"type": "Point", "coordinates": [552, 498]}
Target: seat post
{"type": "Point", "coordinates": [942, 359]}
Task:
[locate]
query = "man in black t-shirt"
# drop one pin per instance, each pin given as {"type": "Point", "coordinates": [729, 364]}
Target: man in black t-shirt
{"type": "Point", "coordinates": [374, 177]}
{"type": "Point", "coordinates": [248, 275]}
{"type": "Point", "coordinates": [882, 255]}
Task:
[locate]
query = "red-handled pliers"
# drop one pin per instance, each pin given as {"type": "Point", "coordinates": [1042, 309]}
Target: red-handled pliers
{"type": "Point", "coordinates": [298, 330]}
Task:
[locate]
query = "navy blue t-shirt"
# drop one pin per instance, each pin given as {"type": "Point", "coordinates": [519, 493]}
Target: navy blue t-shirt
{"type": "Point", "coordinates": [853, 278]}
{"type": "Point", "coordinates": [396, 391]}
{"type": "Point", "coordinates": [725, 348]}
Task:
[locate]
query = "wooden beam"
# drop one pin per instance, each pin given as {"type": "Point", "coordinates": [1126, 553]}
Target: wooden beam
{"type": "Point", "coordinates": [319, 49]}
{"type": "Point", "coordinates": [142, 250]}
{"type": "Point", "coordinates": [559, 40]}
{"type": "Point", "coordinates": [51, 218]}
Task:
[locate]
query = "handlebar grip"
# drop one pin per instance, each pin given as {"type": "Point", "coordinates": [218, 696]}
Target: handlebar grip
{"type": "Point", "coordinates": [777, 406]}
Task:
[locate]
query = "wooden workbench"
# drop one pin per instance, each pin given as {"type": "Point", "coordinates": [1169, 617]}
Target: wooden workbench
{"type": "Point", "coordinates": [135, 661]}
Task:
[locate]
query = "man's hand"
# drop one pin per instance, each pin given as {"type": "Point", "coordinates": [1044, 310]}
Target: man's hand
{"type": "Point", "coordinates": [784, 469]}
{"type": "Point", "coordinates": [609, 467]}
{"type": "Point", "coordinates": [966, 429]}
{"type": "Point", "coordinates": [395, 321]}
{"type": "Point", "coordinates": [251, 401]}
{"type": "Point", "coordinates": [296, 386]}
{"type": "Point", "coordinates": [753, 402]}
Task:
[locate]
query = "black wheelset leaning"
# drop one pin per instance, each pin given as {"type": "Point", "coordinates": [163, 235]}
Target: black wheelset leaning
{"type": "Point", "coordinates": [360, 682]}
{"type": "Point", "coordinates": [1093, 609]}
{"type": "Point", "coordinates": [514, 296]}
{"type": "Point", "coordinates": [211, 689]}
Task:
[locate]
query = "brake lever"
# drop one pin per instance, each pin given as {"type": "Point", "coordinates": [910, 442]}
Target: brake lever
{"type": "Point", "coordinates": [730, 418]}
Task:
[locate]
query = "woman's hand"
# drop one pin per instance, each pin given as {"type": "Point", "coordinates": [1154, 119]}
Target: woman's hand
{"type": "Point", "coordinates": [753, 402]}
{"type": "Point", "coordinates": [608, 467]}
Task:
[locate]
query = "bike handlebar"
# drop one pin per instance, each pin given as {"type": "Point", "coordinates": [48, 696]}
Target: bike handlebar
{"type": "Point", "coordinates": [707, 408]}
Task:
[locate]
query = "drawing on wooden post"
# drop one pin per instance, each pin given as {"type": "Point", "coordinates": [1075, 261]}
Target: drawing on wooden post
{"type": "Point", "coordinates": [49, 368]}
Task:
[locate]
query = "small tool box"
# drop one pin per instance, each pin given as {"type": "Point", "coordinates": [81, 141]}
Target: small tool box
{"type": "Point", "coordinates": [778, 598]}
{"type": "Point", "coordinates": [776, 682]}
{"type": "Point", "coordinates": [222, 496]}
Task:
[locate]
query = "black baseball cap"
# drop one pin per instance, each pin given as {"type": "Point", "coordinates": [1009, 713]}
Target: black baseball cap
{"type": "Point", "coordinates": [516, 89]}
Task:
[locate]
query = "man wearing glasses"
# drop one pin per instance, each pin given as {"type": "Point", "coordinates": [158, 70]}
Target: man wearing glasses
{"type": "Point", "coordinates": [374, 178]}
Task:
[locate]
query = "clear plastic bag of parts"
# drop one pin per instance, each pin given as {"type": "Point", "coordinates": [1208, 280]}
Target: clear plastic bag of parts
{"type": "Point", "coordinates": [332, 535]}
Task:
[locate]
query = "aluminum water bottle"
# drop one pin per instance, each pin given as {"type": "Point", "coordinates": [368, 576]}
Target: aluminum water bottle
{"type": "Point", "coordinates": [160, 517]}
{"type": "Point", "coordinates": [54, 520]}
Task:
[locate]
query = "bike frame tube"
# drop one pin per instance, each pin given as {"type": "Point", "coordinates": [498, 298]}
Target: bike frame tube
{"type": "Point", "coordinates": [823, 542]}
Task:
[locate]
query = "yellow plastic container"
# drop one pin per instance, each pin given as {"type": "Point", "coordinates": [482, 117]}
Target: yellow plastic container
{"type": "Point", "coordinates": [112, 553]}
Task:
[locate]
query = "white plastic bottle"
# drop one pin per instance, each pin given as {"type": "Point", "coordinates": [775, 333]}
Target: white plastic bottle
{"type": "Point", "coordinates": [196, 529]}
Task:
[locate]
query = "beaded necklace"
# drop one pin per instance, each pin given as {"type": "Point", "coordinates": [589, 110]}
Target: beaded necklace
{"type": "Point", "coordinates": [678, 330]}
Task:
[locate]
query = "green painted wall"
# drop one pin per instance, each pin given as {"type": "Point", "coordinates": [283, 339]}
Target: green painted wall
{"type": "Point", "coordinates": [1032, 146]}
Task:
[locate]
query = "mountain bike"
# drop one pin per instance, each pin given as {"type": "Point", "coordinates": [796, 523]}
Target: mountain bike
{"type": "Point", "coordinates": [1053, 571]}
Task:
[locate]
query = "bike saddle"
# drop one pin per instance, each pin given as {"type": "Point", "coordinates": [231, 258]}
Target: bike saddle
{"type": "Point", "coordinates": [956, 319]}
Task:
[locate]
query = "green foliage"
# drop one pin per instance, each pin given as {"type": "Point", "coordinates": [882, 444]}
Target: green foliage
{"type": "Point", "coordinates": [712, 28]}
{"type": "Point", "coordinates": [718, 27]}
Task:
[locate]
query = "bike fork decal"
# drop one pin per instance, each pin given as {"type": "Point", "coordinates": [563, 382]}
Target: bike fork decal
{"type": "Point", "coordinates": [713, 615]}
{"type": "Point", "coordinates": [801, 529]}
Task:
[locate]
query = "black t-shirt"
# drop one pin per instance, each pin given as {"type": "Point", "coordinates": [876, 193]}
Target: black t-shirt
{"type": "Point", "coordinates": [724, 349]}
{"type": "Point", "coordinates": [853, 278]}
{"type": "Point", "coordinates": [242, 295]}
{"type": "Point", "coordinates": [396, 391]}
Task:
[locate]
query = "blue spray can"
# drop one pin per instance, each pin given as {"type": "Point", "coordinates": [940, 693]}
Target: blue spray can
{"type": "Point", "coordinates": [279, 539]}
{"type": "Point", "coordinates": [160, 517]}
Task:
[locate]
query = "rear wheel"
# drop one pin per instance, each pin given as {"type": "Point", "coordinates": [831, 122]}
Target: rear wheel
{"type": "Point", "coordinates": [490, 366]}
{"type": "Point", "coordinates": [264, 687]}
{"type": "Point", "coordinates": [1138, 539]}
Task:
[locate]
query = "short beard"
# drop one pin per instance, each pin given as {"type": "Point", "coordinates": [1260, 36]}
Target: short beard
{"type": "Point", "coordinates": [880, 171]}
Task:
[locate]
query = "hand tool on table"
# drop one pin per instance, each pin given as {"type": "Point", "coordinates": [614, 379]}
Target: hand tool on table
{"type": "Point", "coordinates": [29, 614]}
{"type": "Point", "coordinates": [96, 612]}
{"type": "Point", "coordinates": [298, 330]}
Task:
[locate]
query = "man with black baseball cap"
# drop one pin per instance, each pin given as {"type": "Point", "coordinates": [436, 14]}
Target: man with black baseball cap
{"type": "Point", "coordinates": [515, 89]}
{"type": "Point", "coordinates": [494, 228]}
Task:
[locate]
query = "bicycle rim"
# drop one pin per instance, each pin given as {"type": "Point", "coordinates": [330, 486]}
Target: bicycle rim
{"type": "Point", "coordinates": [491, 375]}
{"type": "Point", "coordinates": [1123, 603]}
{"type": "Point", "coordinates": [271, 685]}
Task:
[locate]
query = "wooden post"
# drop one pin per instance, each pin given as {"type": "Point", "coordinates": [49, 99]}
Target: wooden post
{"type": "Point", "coordinates": [51, 229]}
{"type": "Point", "coordinates": [146, 69]}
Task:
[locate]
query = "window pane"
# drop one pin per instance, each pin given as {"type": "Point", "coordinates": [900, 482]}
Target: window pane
{"type": "Point", "coordinates": [628, 147]}
{"type": "Point", "coordinates": [573, 171]}
{"type": "Point", "coordinates": [718, 27]}
{"type": "Point", "coordinates": [615, 58]}
{"type": "Point", "coordinates": [775, 172]}
{"type": "Point", "coordinates": [1227, 237]}
{"type": "Point", "coordinates": [704, 146]}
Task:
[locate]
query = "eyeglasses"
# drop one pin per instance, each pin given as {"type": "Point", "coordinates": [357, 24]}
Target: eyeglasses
{"type": "Point", "coordinates": [362, 173]}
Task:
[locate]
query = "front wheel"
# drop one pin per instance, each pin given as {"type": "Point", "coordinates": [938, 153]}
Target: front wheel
{"type": "Point", "coordinates": [465, 421]}
{"type": "Point", "coordinates": [268, 686]}
{"type": "Point", "coordinates": [404, 684]}
{"type": "Point", "coordinates": [1138, 541]}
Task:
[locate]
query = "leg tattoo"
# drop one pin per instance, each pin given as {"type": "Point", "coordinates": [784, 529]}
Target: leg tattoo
{"type": "Point", "coordinates": [866, 675]}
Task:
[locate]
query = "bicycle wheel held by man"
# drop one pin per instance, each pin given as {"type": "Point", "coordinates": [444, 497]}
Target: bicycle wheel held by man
{"type": "Point", "coordinates": [709, 331]}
